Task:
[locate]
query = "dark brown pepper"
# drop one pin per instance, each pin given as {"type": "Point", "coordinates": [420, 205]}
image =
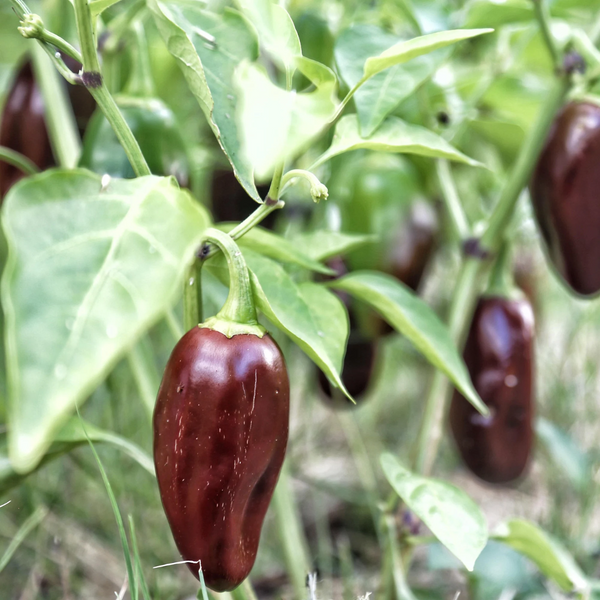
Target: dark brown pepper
{"type": "Point", "coordinates": [499, 354]}
{"type": "Point", "coordinates": [220, 433]}
{"type": "Point", "coordinates": [23, 128]}
{"type": "Point", "coordinates": [564, 191]}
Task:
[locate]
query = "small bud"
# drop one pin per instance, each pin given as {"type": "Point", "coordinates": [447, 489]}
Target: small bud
{"type": "Point", "coordinates": [319, 192]}
{"type": "Point", "coordinates": [32, 26]}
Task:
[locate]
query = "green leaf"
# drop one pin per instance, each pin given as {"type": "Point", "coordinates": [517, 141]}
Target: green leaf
{"type": "Point", "coordinates": [404, 51]}
{"type": "Point", "coordinates": [454, 519]}
{"type": "Point", "coordinates": [321, 244]}
{"type": "Point", "coordinates": [407, 313]}
{"type": "Point", "coordinates": [276, 31]}
{"type": "Point", "coordinates": [378, 96]}
{"type": "Point", "coordinates": [188, 32]}
{"type": "Point", "coordinates": [284, 304]}
{"type": "Point", "coordinates": [395, 135]}
{"type": "Point", "coordinates": [28, 526]}
{"type": "Point", "coordinates": [490, 13]}
{"type": "Point", "coordinates": [276, 124]}
{"type": "Point", "coordinates": [551, 558]}
{"type": "Point", "coordinates": [97, 7]}
{"type": "Point", "coordinates": [90, 268]}
{"type": "Point", "coordinates": [274, 246]}
{"type": "Point", "coordinates": [330, 315]}
{"type": "Point", "coordinates": [565, 453]}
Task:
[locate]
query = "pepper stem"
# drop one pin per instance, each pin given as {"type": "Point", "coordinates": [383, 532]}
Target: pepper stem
{"type": "Point", "coordinates": [238, 315]}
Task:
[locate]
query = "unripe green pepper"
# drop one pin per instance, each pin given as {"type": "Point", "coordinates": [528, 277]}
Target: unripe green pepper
{"type": "Point", "coordinates": [23, 127]}
{"type": "Point", "coordinates": [499, 354]}
{"type": "Point", "coordinates": [153, 125]}
{"type": "Point", "coordinates": [564, 191]}
{"type": "Point", "coordinates": [220, 433]}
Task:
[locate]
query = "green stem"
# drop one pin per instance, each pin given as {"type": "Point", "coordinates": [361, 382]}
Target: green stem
{"type": "Point", "coordinates": [265, 209]}
{"type": "Point", "coordinates": [521, 172]}
{"type": "Point", "coordinates": [59, 117]}
{"type": "Point", "coordinates": [32, 27]}
{"type": "Point", "coordinates": [275, 184]}
{"type": "Point", "coordinates": [458, 218]}
{"type": "Point", "coordinates": [238, 314]}
{"type": "Point", "coordinates": [244, 592]}
{"type": "Point", "coordinates": [192, 297]}
{"type": "Point", "coordinates": [16, 159]}
{"type": "Point", "coordinates": [295, 546]}
{"type": "Point", "coordinates": [92, 79]}
{"type": "Point", "coordinates": [85, 31]}
{"type": "Point", "coordinates": [403, 591]}
{"type": "Point", "coordinates": [501, 276]}
{"type": "Point", "coordinates": [543, 18]}
{"type": "Point", "coordinates": [318, 191]}
{"type": "Point", "coordinates": [140, 83]}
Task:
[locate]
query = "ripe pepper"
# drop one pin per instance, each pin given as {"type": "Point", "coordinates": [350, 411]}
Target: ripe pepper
{"type": "Point", "coordinates": [220, 433]}
{"type": "Point", "coordinates": [564, 191]}
{"type": "Point", "coordinates": [23, 127]}
{"type": "Point", "coordinates": [154, 126]}
{"type": "Point", "coordinates": [499, 354]}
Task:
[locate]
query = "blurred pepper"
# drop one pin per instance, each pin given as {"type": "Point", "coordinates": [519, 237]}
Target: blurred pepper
{"type": "Point", "coordinates": [564, 191]}
{"type": "Point", "coordinates": [154, 126]}
{"type": "Point", "coordinates": [499, 354]}
{"type": "Point", "coordinates": [23, 127]}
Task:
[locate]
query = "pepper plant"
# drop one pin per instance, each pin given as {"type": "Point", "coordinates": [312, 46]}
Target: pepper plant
{"type": "Point", "coordinates": [350, 116]}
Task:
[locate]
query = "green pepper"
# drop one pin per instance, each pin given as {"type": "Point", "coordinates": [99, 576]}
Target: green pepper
{"type": "Point", "coordinates": [155, 128]}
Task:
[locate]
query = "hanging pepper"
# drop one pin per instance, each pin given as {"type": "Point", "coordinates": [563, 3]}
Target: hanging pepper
{"type": "Point", "coordinates": [499, 354]}
{"type": "Point", "coordinates": [23, 127]}
{"type": "Point", "coordinates": [564, 191]}
{"type": "Point", "coordinates": [220, 433]}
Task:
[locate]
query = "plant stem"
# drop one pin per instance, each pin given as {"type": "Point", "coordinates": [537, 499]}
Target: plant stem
{"type": "Point", "coordinates": [458, 218]}
{"type": "Point", "coordinates": [192, 297]}
{"type": "Point", "coordinates": [16, 159]}
{"type": "Point", "coordinates": [543, 18]}
{"type": "Point", "coordinates": [275, 183]}
{"type": "Point", "coordinates": [265, 209]}
{"type": "Point", "coordinates": [59, 117]}
{"type": "Point", "coordinates": [92, 79]}
{"type": "Point", "coordinates": [470, 281]}
{"type": "Point", "coordinates": [402, 589]}
{"type": "Point", "coordinates": [292, 537]}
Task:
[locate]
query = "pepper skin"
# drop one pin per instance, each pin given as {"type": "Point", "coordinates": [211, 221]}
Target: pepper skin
{"type": "Point", "coordinates": [499, 355]}
{"type": "Point", "coordinates": [23, 128]}
{"type": "Point", "coordinates": [564, 191]}
{"type": "Point", "coordinates": [220, 434]}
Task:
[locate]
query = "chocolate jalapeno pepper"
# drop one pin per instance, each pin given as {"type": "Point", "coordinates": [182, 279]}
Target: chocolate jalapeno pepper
{"type": "Point", "coordinates": [23, 127]}
{"type": "Point", "coordinates": [564, 191]}
{"type": "Point", "coordinates": [499, 354]}
{"type": "Point", "coordinates": [220, 433]}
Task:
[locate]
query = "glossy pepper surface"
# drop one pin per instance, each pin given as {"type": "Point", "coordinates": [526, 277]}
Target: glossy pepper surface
{"type": "Point", "coordinates": [499, 354]}
{"type": "Point", "coordinates": [220, 434]}
{"type": "Point", "coordinates": [564, 191]}
{"type": "Point", "coordinates": [23, 127]}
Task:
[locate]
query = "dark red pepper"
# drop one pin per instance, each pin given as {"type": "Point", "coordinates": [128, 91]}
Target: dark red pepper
{"type": "Point", "coordinates": [564, 191]}
{"type": "Point", "coordinates": [220, 434]}
{"type": "Point", "coordinates": [499, 354]}
{"type": "Point", "coordinates": [23, 128]}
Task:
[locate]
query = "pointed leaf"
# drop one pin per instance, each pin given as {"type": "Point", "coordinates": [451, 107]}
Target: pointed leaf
{"type": "Point", "coordinates": [89, 270]}
{"type": "Point", "coordinates": [407, 313]}
{"type": "Point", "coordinates": [276, 31]}
{"type": "Point", "coordinates": [378, 96]}
{"type": "Point", "coordinates": [551, 558]}
{"type": "Point", "coordinates": [395, 135]}
{"type": "Point", "coordinates": [321, 245]}
{"type": "Point", "coordinates": [404, 51]}
{"type": "Point", "coordinates": [449, 513]}
{"type": "Point", "coordinates": [284, 304]}
{"type": "Point", "coordinates": [208, 48]}
{"type": "Point", "coordinates": [277, 247]}
{"type": "Point", "coordinates": [276, 124]}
